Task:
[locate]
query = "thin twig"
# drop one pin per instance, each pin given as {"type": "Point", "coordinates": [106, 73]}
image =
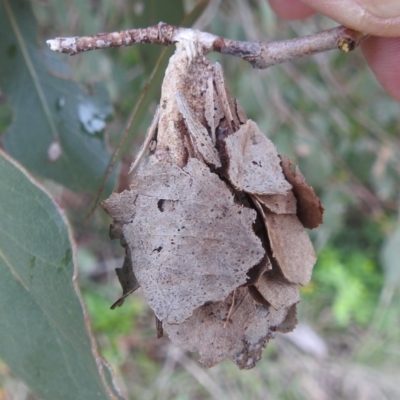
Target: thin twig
{"type": "Point", "coordinates": [147, 140]}
{"type": "Point", "coordinates": [117, 150]}
{"type": "Point", "coordinates": [260, 54]}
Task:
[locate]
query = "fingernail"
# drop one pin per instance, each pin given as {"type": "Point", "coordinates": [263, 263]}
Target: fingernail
{"type": "Point", "coordinates": [382, 8]}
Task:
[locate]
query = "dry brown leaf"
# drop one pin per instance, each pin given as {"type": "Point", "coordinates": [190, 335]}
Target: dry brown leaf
{"type": "Point", "coordinates": [240, 113]}
{"type": "Point", "coordinates": [309, 207]}
{"type": "Point", "coordinates": [255, 272]}
{"type": "Point", "coordinates": [189, 73]}
{"type": "Point", "coordinates": [291, 247]}
{"type": "Point", "coordinates": [127, 279]}
{"type": "Point", "coordinates": [220, 279]}
{"type": "Point", "coordinates": [190, 243]}
{"type": "Point", "coordinates": [253, 163]}
{"type": "Point", "coordinates": [225, 99]}
{"type": "Point", "coordinates": [290, 321]}
{"type": "Point", "coordinates": [213, 112]}
{"type": "Point", "coordinates": [241, 338]}
{"type": "Point", "coordinates": [118, 206]}
{"type": "Point", "coordinates": [202, 141]}
{"type": "Point", "coordinates": [257, 296]}
{"type": "Point", "coordinates": [278, 293]}
{"type": "Point", "coordinates": [279, 203]}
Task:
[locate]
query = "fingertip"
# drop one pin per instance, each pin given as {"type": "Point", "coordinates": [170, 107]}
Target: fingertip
{"type": "Point", "coordinates": [291, 9]}
{"type": "Point", "coordinates": [361, 15]}
{"type": "Point", "coordinates": [383, 56]}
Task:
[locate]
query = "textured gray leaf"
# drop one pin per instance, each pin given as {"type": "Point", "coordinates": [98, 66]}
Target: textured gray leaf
{"type": "Point", "coordinates": [279, 203]}
{"type": "Point", "coordinates": [254, 165]}
{"type": "Point", "coordinates": [276, 292]}
{"type": "Point", "coordinates": [290, 320]}
{"type": "Point", "coordinates": [190, 243]}
{"type": "Point", "coordinates": [198, 133]}
{"type": "Point", "coordinates": [220, 278]}
{"type": "Point", "coordinates": [236, 328]}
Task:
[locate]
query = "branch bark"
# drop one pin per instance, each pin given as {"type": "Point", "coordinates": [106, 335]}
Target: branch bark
{"type": "Point", "coordinates": [260, 55]}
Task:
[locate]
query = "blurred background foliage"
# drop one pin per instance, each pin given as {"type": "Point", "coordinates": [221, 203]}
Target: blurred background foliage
{"type": "Point", "coordinates": [327, 113]}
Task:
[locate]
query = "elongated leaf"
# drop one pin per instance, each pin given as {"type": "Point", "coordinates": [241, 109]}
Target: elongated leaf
{"type": "Point", "coordinates": [57, 130]}
{"type": "Point", "coordinates": [43, 335]}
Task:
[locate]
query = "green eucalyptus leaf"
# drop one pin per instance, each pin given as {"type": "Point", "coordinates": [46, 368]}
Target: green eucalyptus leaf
{"type": "Point", "coordinates": [58, 127]}
{"type": "Point", "coordinates": [44, 336]}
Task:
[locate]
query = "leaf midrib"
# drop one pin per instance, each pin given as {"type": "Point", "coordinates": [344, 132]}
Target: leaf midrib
{"type": "Point", "coordinates": [31, 69]}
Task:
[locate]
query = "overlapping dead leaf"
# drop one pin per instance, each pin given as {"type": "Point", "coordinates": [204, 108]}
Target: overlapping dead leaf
{"type": "Point", "coordinates": [236, 328]}
{"type": "Point", "coordinates": [309, 207]}
{"type": "Point", "coordinates": [213, 223]}
{"type": "Point", "coordinates": [189, 242]}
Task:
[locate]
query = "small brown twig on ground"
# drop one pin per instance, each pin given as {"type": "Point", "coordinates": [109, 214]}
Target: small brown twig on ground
{"type": "Point", "coordinates": [260, 55]}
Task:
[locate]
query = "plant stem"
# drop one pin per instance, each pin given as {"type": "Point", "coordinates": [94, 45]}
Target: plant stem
{"type": "Point", "coordinates": [260, 54]}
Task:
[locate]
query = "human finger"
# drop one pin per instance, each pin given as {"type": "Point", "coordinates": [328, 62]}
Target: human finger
{"type": "Point", "coordinates": [291, 9]}
{"type": "Point", "coordinates": [378, 18]}
{"type": "Point", "coordinates": [383, 56]}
